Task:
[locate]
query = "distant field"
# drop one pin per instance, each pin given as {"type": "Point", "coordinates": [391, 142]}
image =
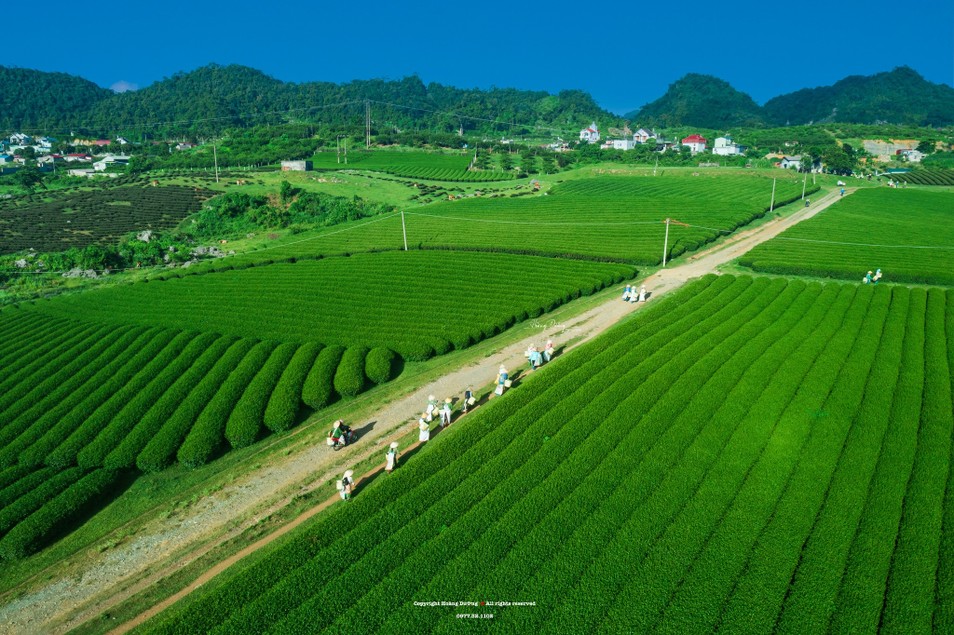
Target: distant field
{"type": "Point", "coordinates": [99, 216]}
{"type": "Point", "coordinates": [420, 165]}
{"type": "Point", "coordinates": [937, 176]}
{"type": "Point", "coordinates": [610, 217]}
{"type": "Point", "coordinates": [755, 455]}
{"type": "Point", "coordinates": [907, 233]}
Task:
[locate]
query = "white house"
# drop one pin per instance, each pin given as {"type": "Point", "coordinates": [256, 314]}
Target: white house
{"type": "Point", "coordinates": [110, 160]}
{"type": "Point", "coordinates": [591, 134]}
{"type": "Point", "coordinates": [793, 162]}
{"type": "Point", "coordinates": [623, 144]}
{"type": "Point", "coordinates": [696, 143]}
{"type": "Point", "coordinates": [20, 139]}
{"type": "Point", "coordinates": [911, 156]}
{"type": "Point", "coordinates": [725, 147]}
{"type": "Point", "coordinates": [642, 135]}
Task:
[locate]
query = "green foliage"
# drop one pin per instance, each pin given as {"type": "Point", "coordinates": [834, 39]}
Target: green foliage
{"type": "Point", "coordinates": [381, 364]}
{"type": "Point", "coordinates": [32, 99]}
{"type": "Point", "coordinates": [286, 399]}
{"type": "Point", "coordinates": [59, 514]}
{"type": "Point", "coordinates": [350, 378]}
{"type": "Point", "coordinates": [245, 423]}
{"type": "Point", "coordinates": [207, 436]}
{"type": "Point", "coordinates": [318, 390]}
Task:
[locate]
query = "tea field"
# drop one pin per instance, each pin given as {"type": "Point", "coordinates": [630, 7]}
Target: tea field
{"type": "Point", "coordinates": [755, 455]}
{"type": "Point", "coordinates": [94, 217]}
{"type": "Point", "coordinates": [599, 218]}
{"type": "Point", "coordinates": [415, 302]}
{"type": "Point", "coordinates": [937, 176]}
{"type": "Point", "coordinates": [418, 165]}
{"type": "Point", "coordinates": [907, 233]}
{"type": "Point", "coordinates": [180, 371]}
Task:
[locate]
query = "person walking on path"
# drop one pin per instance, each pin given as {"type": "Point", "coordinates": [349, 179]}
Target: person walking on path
{"type": "Point", "coordinates": [391, 457]}
{"type": "Point", "coordinates": [469, 399]}
{"type": "Point", "coordinates": [536, 359]}
{"type": "Point", "coordinates": [548, 351]}
{"type": "Point", "coordinates": [446, 413]}
{"type": "Point", "coordinates": [626, 293]}
{"type": "Point", "coordinates": [345, 485]}
{"type": "Point", "coordinates": [431, 408]}
{"type": "Point", "coordinates": [642, 293]}
{"type": "Point", "coordinates": [424, 429]}
{"type": "Point", "coordinates": [502, 379]}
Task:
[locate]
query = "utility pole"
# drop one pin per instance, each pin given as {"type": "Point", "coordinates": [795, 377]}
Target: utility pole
{"type": "Point", "coordinates": [656, 166]}
{"type": "Point", "coordinates": [404, 229]}
{"type": "Point", "coordinates": [772, 204]}
{"type": "Point", "coordinates": [367, 123]}
{"type": "Point", "coordinates": [666, 242]}
{"type": "Point", "coordinates": [804, 183]}
{"type": "Point", "coordinates": [215, 157]}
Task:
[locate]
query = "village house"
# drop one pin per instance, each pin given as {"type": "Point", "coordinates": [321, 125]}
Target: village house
{"type": "Point", "coordinates": [6, 159]}
{"type": "Point", "coordinates": [78, 156]}
{"type": "Point", "coordinates": [725, 147]}
{"type": "Point", "coordinates": [20, 139]}
{"type": "Point", "coordinates": [185, 145]}
{"type": "Point", "coordinates": [642, 135]}
{"type": "Point", "coordinates": [591, 134]}
{"type": "Point", "coordinates": [790, 162]}
{"type": "Point", "coordinates": [696, 143]}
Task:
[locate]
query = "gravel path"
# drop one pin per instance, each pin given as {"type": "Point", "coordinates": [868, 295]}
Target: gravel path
{"type": "Point", "coordinates": [62, 601]}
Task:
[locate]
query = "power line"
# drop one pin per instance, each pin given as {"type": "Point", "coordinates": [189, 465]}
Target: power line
{"type": "Point", "coordinates": [533, 223]}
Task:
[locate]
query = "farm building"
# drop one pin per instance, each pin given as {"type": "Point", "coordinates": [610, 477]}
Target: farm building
{"type": "Point", "coordinates": [111, 160]}
{"type": "Point", "coordinates": [296, 166]}
{"type": "Point", "coordinates": [726, 147]}
{"type": "Point", "coordinates": [591, 134]}
{"type": "Point", "coordinates": [696, 143]}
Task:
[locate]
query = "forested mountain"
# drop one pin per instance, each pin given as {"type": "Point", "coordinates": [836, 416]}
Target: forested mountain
{"type": "Point", "coordinates": [213, 98]}
{"type": "Point", "coordinates": [703, 101]}
{"type": "Point", "coordinates": [32, 99]}
{"type": "Point", "coordinates": [900, 96]}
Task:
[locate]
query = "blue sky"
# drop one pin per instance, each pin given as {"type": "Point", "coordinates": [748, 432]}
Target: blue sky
{"type": "Point", "coordinates": [624, 54]}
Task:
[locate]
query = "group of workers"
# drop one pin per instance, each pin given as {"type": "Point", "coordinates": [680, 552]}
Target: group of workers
{"type": "Point", "coordinates": [342, 435]}
{"type": "Point", "coordinates": [535, 357]}
{"type": "Point", "coordinates": [631, 294]}
{"type": "Point", "coordinates": [872, 279]}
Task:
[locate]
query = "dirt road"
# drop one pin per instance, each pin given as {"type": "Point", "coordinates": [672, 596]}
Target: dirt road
{"type": "Point", "coordinates": [57, 603]}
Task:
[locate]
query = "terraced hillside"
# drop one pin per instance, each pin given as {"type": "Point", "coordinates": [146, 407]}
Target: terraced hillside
{"type": "Point", "coordinates": [755, 455]}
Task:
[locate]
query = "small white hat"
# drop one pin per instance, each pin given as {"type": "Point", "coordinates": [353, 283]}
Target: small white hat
{"type": "Point", "coordinates": [503, 368]}
{"type": "Point", "coordinates": [394, 444]}
{"type": "Point", "coordinates": [430, 397]}
{"type": "Point", "coordinates": [349, 473]}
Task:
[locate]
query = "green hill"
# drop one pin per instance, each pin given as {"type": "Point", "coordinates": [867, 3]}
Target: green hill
{"type": "Point", "coordinates": [900, 96]}
{"type": "Point", "coordinates": [703, 101]}
{"type": "Point", "coordinates": [35, 100]}
{"type": "Point", "coordinates": [213, 98]}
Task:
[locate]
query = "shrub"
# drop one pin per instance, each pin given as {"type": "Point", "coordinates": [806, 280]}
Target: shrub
{"type": "Point", "coordinates": [350, 378]}
{"type": "Point", "coordinates": [318, 390]}
{"type": "Point", "coordinates": [286, 398]}
{"type": "Point", "coordinates": [381, 365]}
{"type": "Point", "coordinates": [245, 422]}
